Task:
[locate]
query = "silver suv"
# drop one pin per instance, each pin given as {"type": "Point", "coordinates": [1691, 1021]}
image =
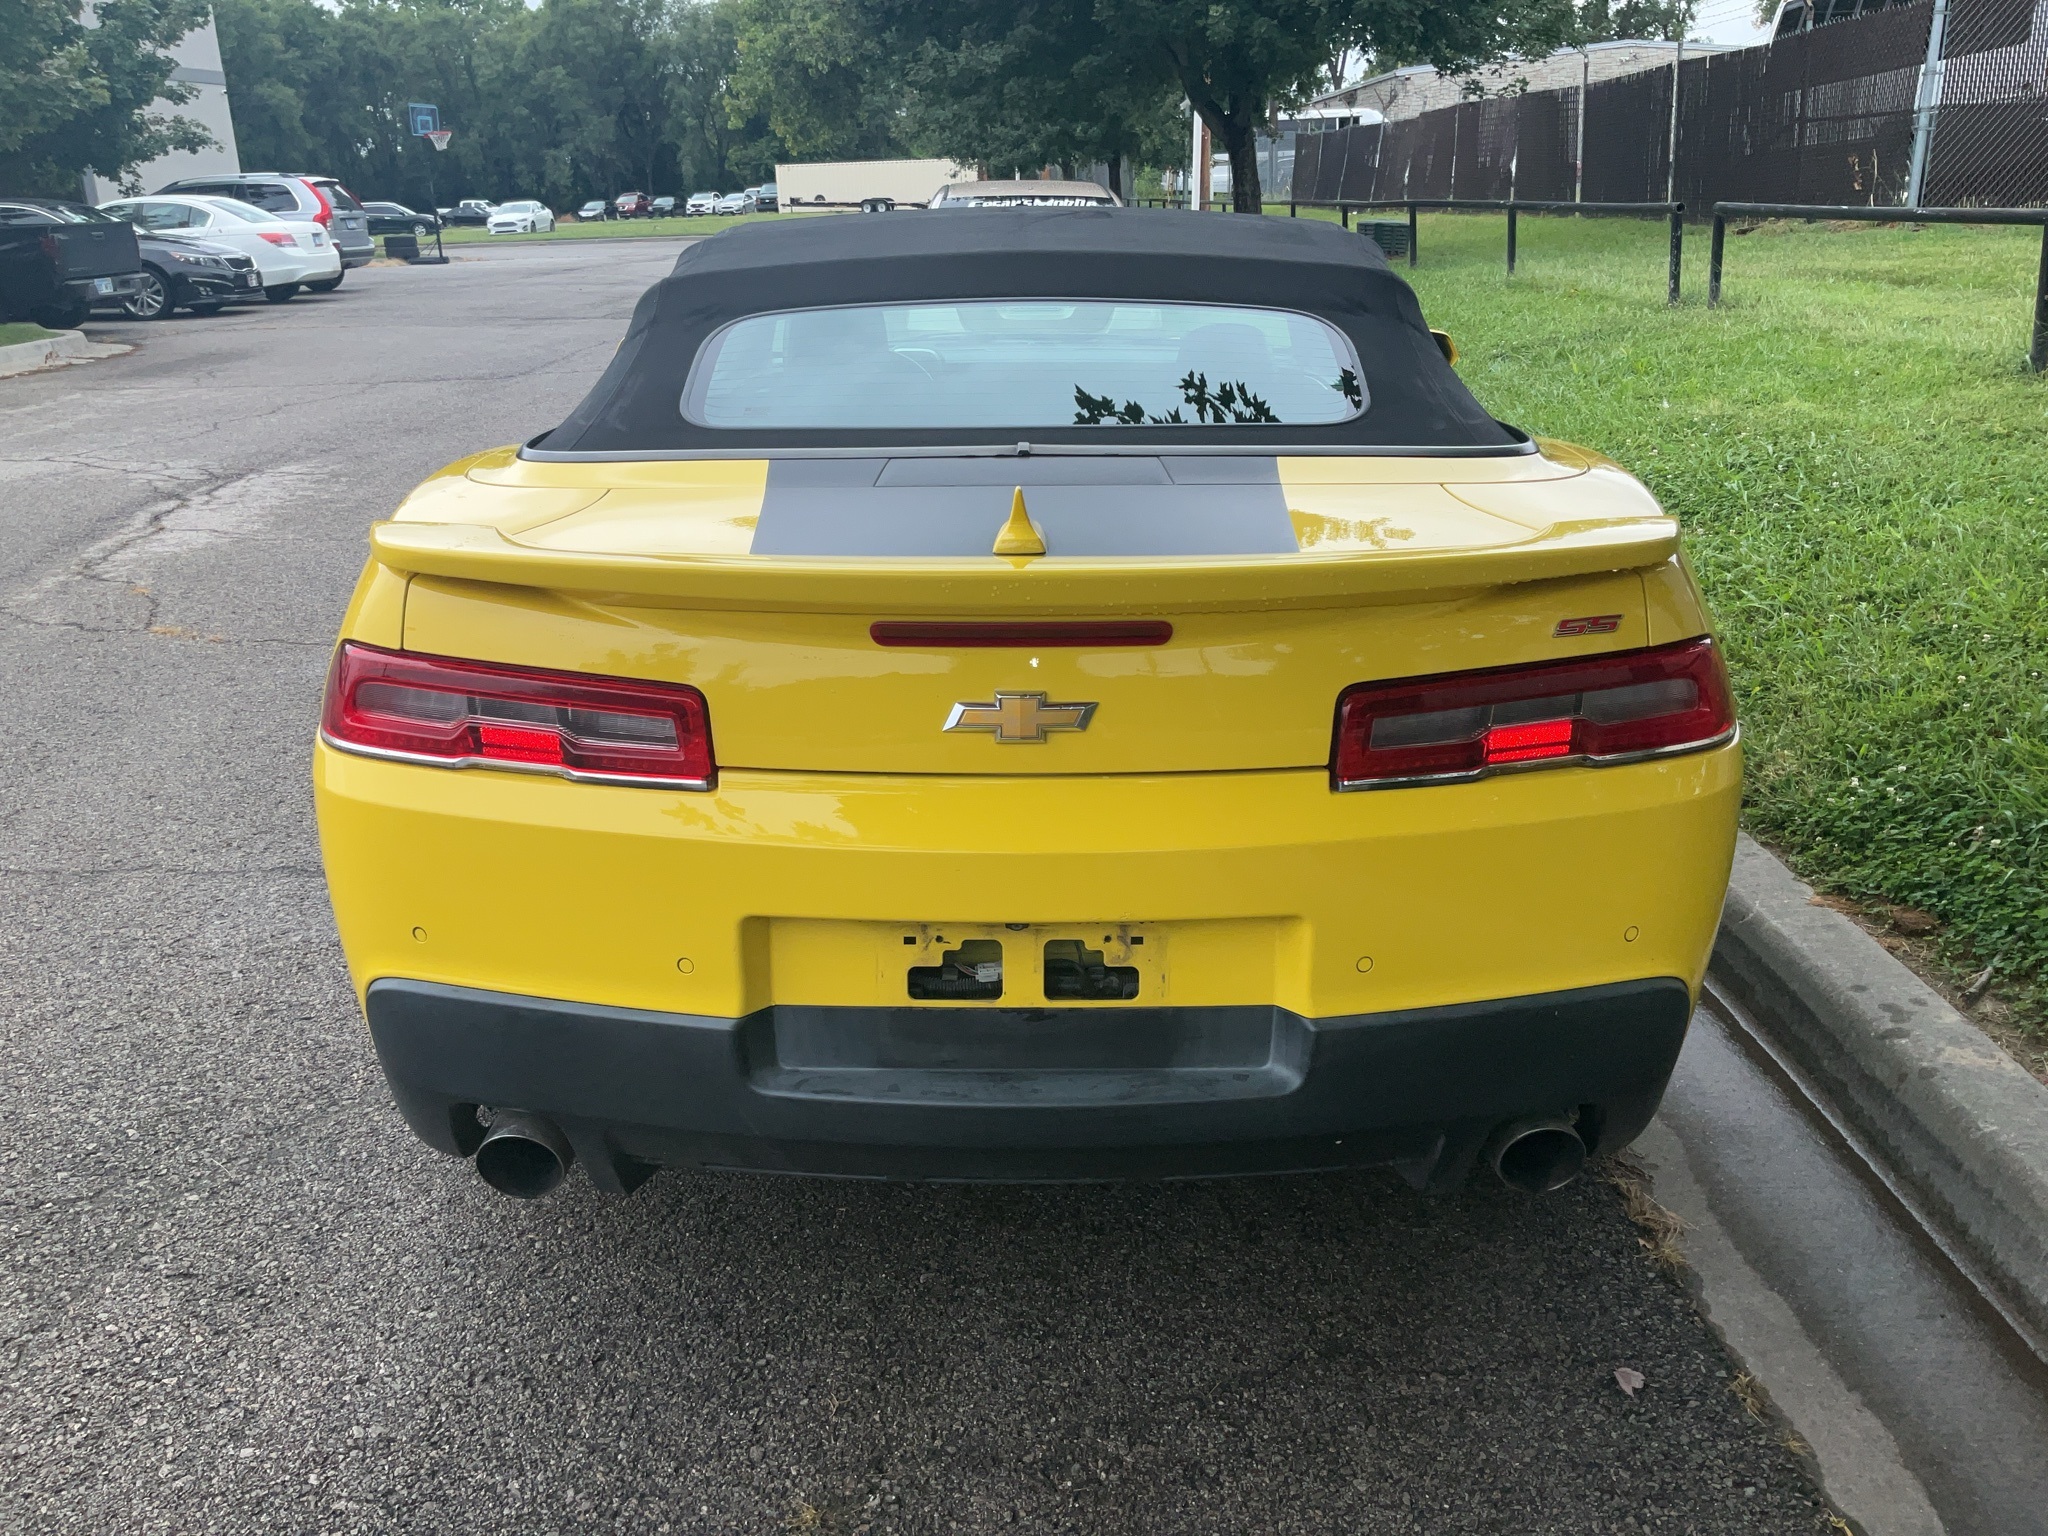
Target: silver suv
{"type": "Point", "coordinates": [317, 199]}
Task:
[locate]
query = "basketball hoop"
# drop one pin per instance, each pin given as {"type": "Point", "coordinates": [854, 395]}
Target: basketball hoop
{"type": "Point", "coordinates": [438, 137]}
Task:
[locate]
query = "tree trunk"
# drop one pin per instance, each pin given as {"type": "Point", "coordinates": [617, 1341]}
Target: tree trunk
{"type": "Point", "coordinates": [1246, 195]}
{"type": "Point", "coordinates": [1236, 128]}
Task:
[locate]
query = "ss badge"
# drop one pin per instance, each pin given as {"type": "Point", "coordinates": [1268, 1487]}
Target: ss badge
{"type": "Point", "coordinates": [1598, 624]}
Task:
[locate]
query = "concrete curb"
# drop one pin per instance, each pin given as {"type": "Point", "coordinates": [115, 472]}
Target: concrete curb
{"type": "Point", "coordinates": [54, 351]}
{"type": "Point", "coordinates": [1962, 1126]}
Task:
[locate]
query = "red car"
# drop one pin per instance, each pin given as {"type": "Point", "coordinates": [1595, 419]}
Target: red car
{"type": "Point", "coordinates": [631, 205]}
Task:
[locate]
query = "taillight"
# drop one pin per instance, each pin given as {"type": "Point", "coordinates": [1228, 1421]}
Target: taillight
{"type": "Point", "coordinates": [278, 237]}
{"type": "Point", "coordinates": [1599, 710]}
{"type": "Point", "coordinates": [471, 714]}
{"type": "Point", "coordinates": [325, 213]}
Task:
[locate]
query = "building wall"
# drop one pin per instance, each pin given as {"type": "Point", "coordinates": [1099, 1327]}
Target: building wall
{"type": "Point", "coordinates": [199, 65]}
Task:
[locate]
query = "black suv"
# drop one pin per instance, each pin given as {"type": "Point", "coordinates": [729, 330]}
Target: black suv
{"type": "Point", "coordinates": [317, 199]}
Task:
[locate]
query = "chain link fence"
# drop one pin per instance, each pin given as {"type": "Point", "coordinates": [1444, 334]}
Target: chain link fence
{"type": "Point", "coordinates": [1990, 141]}
{"type": "Point", "coordinates": [1841, 114]}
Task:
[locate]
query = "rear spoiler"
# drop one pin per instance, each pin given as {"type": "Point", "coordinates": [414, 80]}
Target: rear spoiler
{"type": "Point", "coordinates": [472, 552]}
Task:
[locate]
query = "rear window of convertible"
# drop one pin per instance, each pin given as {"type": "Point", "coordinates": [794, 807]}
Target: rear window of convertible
{"type": "Point", "coordinates": [1025, 363]}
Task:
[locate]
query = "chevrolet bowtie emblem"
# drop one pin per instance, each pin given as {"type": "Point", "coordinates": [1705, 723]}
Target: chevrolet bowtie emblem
{"type": "Point", "coordinates": [1020, 717]}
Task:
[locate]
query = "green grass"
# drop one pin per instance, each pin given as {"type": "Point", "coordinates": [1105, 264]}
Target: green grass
{"type": "Point", "coordinates": [613, 229]}
{"type": "Point", "coordinates": [1860, 461]}
{"type": "Point", "coordinates": [10, 334]}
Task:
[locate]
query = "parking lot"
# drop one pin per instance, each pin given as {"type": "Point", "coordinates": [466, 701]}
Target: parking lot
{"type": "Point", "coordinates": [243, 1298]}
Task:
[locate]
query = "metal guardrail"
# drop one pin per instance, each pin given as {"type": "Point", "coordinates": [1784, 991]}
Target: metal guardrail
{"type": "Point", "coordinates": [2037, 350]}
{"type": "Point", "coordinates": [1514, 209]}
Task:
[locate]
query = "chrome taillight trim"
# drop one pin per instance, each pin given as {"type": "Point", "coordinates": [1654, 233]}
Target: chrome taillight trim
{"type": "Point", "coordinates": [1581, 760]}
{"type": "Point", "coordinates": [550, 770]}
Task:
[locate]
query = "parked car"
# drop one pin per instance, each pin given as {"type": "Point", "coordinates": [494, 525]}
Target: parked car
{"type": "Point", "coordinates": [290, 254]}
{"type": "Point", "coordinates": [1023, 194]}
{"type": "Point", "coordinates": [526, 218]}
{"type": "Point", "coordinates": [766, 199]}
{"type": "Point", "coordinates": [181, 271]}
{"type": "Point", "coordinates": [1427, 877]}
{"type": "Point", "coordinates": [472, 211]}
{"type": "Point", "coordinates": [631, 205]}
{"type": "Point", "coordinates": [397, 219]}
{"type": "Point", "coordinates": [733, 202]}
{"type": "Point", "coordinates": [663, 208]}
{"type": "Point", "coordinates": [593, 211]}
{"type": "Point", "coordinates": [59, 258]}
{"type": "Point", "coordinates": [309, 199]}
{"type": "Point", "coordinates": [701, 202]}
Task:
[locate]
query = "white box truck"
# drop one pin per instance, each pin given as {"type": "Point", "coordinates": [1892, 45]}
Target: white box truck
{"type": "Point", "coordinates": [849, 183]}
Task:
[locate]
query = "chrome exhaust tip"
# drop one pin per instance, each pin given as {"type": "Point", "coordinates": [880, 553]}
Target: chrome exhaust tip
{"type": "Point", "coordinates": [524, 1156]}
{"type": "Point", "coordinates": [1536, 1156]}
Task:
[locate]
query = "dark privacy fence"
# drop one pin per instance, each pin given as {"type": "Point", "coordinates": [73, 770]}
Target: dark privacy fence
{"type": "Point", "coordinates": [1823, 116]}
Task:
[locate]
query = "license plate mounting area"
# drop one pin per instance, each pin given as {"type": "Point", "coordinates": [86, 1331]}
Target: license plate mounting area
{"type": "Point", "coordinates": [1025, 964]}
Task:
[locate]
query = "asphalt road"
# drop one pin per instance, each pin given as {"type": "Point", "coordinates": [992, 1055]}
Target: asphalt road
{"type": "Point", "coordinates": [238, 1296]}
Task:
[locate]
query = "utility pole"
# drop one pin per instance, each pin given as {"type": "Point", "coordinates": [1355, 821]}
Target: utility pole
{"type": "Point", "coordinates": [1926, 105]}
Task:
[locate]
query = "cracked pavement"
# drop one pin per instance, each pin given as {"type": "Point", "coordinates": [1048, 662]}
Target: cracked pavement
{"type": "Point", "coordinates": [239, 1297]}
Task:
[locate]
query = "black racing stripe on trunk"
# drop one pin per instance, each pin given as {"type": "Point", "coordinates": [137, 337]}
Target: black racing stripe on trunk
{"type": "Point", "coordinates": [1132, 507]}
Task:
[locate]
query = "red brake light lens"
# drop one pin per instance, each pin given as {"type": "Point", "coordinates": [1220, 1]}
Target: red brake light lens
{"type": "Point", "coordinates": [462, 714]}
{"type": "Point", "coordinates": [277, 236]}
{"type": "Point", "coordinates": [1598, 709]}
{"type": "Point", "coordinates": [325, 213]}
{"type": "Point", "coordinates": [1044, 633]}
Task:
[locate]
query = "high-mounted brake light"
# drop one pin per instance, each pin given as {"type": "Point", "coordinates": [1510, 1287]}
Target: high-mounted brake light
{"type": "Point", "coordinates": [944, 635]}
{"type": "Point", "coordinates": [472, 714]}
{"type": "Point", "coordinates": [1598, 709]}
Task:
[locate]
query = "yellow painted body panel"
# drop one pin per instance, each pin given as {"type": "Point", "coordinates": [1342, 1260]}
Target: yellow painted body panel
{"type": "Point", "coordinates": [813, 691]}
{"type": "Point", "coordinates": [1195, 813]}
{"type": "Point", "coordinates": [1261, 887]}
{"type": "Point", "coordinates": [376, 609]}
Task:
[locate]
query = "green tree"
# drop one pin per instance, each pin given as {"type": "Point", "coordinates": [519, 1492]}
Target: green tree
{"type": "Point", "coordinates": [1037, 85]}
{"type": "Point", "coordinates": [597, 77]}
{"type": "Point", "coordinates": [1236, 61]}
{"type": "Point", "coordinates": [75, 97]}
{"type": "Point", "coordinates": [281, 58]}
{"type": "Point", "coordinates": [1602, 21]}
{"type": "Point", "coordinates": [713, 151]}
{"type": "Point", "coordinates": [1093, 72]}
{"type": "Point", "coordinates": [820, 75]}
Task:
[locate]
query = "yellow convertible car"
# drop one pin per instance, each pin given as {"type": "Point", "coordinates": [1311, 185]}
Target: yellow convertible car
{"type": "Point", "coordinates": [1028, 694]}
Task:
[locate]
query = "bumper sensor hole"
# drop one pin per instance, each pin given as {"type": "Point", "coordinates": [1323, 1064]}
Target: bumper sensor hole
{"type": "Point", "coordinates": [1074, 974]}
{"type": "Point", "coordinates": [971, 973]}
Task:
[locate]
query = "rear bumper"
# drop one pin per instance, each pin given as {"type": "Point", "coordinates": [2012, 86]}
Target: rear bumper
{"type": "Point", "coordinates": [120, 285]}
{"type": "Point", "coordinates": [1028, 1094]}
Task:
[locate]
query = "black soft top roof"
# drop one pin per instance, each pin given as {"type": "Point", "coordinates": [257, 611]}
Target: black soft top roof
{"type": "Point", "coordinates": [1416, 401]}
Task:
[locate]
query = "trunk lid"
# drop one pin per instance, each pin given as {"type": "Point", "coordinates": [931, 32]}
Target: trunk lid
{"type": "Point", "coordinates": [1284, 581]}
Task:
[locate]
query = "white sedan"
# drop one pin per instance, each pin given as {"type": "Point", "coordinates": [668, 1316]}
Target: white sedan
{"type": "Point", "coordinates": [289, 253]}
{"type": "Point", "coordinates": [521, 219]}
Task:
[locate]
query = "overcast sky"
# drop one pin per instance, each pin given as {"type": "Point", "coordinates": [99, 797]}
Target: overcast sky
{"type": "Point", "coordinates": [1729, 21]}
